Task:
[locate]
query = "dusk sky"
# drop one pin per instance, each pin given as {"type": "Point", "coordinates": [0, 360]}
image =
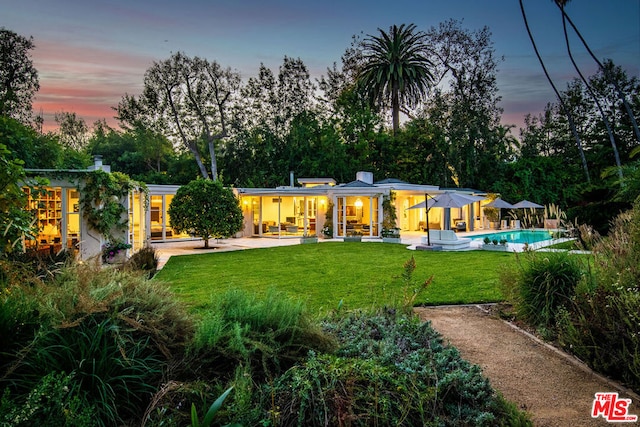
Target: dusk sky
{"type": "Point", "coordinates": [89, 54]}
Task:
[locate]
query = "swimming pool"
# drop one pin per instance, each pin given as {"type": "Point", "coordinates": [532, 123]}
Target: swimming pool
{"type": "Point", "coordinates": [519, 236]}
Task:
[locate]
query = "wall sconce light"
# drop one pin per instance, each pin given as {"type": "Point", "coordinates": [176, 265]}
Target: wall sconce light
{"type": "Point", "coordinates": [358, 203]}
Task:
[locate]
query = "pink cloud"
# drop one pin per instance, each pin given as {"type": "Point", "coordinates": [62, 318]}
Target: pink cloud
{"type": "Point", "coordinates": [85, 80]}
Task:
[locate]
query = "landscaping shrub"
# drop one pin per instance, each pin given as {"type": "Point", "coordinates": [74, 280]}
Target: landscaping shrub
{"type": "Point", "coordinates": [542, 283]}
{"type": "Point", "coordinates": [603, 329]}
{"type": "Point", "coordinates": [389, 370]}
{"type": "Point", "coordinates": [602, 325]}
{"type": "Point", "coordinates": [146, 259]}
{"type": "Point", "coordinates": [52, 403]}
{"type": "Point", "coordinates": [114, 333]}
{"type": "Point", "coordinates": [42, 265]}
{"type": "Point", "coordinates": [112, 368]}
{"type": "Point", "coordinates": [19, 316]}
{"type": "Point", "coordinates": [267, 335]}
{"type": "Point", "coordinates": [146, 306]}
{"type": "Point", "coordinates": [618, 255]}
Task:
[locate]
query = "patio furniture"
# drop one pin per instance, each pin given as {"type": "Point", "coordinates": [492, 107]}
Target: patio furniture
{"type": "Point", "coordinates": [447, 239]}
{"type": "Point", "coordinates": [460, 226]}
{"type": "Point", "coordinates": [292, 228]}
{"type": "Point", "coordinates": [274, 229]}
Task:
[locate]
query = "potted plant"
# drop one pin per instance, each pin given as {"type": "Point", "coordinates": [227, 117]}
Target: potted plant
{"type": "Point", "coordinates": [495, 244]}
{"type": "Point", "coordinates": [390, 231]}
{"type": "Point", "coordinates": [115, 252]}
{"type": "Point", "coordinates": [493, 216]}
{"type": "Point", "coordinates": [391, 235]}
{"type": "Point", "coordinates": [327, 229]}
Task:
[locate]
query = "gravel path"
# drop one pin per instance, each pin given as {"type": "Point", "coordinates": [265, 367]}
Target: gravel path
{"type": "Point", "coordinates": [553, 387]}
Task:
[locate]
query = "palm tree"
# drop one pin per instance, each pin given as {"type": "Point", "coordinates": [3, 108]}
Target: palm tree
{"type": "Point", "coordinates": [396, 68]}
{"type": "Point", "coordinates": [560, 100]}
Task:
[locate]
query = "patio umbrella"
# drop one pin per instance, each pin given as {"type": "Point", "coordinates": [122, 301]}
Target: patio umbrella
{"type": "Point", "coordinates": [499, 203]}
{"type": "Point", "coordinates": [525, 204]}
{"type": "Point", "coordinates": [448, 200]}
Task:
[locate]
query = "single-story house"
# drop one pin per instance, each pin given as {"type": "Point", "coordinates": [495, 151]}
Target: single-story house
{"type": "Point", "coordinates": [282, 212]}
{"type": "Point", "coordinates": [63, 224]}
{"type": "Point", "coordinates": [354, 208]}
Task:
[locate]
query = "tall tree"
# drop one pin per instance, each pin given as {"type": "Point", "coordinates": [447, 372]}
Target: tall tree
{"type": "Point", "coordinates": [610, 78]}
{"type": "Point", "coordinates": [463, 111]}
{"type": "Point", "coordinates": [142, 154]}
{"type": "Point", "coordinates": [188, 100]}
{"type": "Point", "coordinates": [555, 90]}
{"type": "Point", "coordinates": [15, 220]}
{"type": "Point", "coordinates": [396, 68]}
{"type": "Point", "coordinates": [612, 140]}
{"type": "Point", "coordinates": [18, 76]}
{"type": "Point", "coordinates": [72, 130]}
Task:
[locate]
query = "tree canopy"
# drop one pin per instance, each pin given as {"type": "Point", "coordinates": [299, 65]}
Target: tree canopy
{"type": "Point", "coordinates": [395, 68]}
{"type": "Point", "coordinates": [18, 76]}
{"type": "Point", "coordinates": [188, 100]}
{"type": "Point", "coordinates": [207, 209]}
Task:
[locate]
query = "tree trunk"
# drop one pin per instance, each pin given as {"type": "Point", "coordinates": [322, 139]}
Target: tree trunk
{"type": "Point", "coordinates": [206, 242]}
{"type": "Point", "coordinates": [395, 110]}
{"type": "Point", "coordinates": [555, 90]}
{"type": "Point", "coordinates": [196, 155]}
{"type": "Point", "coordinates": [214, 163]}
{"type": "Point", "coordinates": [621, 94]}
{"type": "Point", "coordinates": [593, 96]}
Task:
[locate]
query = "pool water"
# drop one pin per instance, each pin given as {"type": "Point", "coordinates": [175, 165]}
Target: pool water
{"type": "Point", "coordinates": [519, 236]}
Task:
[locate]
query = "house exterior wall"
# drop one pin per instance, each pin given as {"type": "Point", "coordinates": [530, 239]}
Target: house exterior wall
{"type": "Point", "coordinates": [157, 221]}
{"type": "Point", "coordinates": [67, 227]}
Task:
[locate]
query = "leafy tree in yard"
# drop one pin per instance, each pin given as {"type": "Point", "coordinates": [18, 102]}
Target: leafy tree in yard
{"type": "Point", "coordinates": [73, 130]}
{"type": "Point", "coordinates": [15, 220]}
{"type": "Point", "coordinates": [207, 209]}
{"type": "Point", "coordinates": [18, 77]}
{"type": "Point", "coordinates": [187, 100]}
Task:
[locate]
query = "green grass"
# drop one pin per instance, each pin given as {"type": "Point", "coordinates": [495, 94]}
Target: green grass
{"type": "Point", "coordinates": [362, 275]}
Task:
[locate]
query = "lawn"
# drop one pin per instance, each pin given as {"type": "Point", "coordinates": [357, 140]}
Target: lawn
{"type": "Point", "coordinates": [361, 275]}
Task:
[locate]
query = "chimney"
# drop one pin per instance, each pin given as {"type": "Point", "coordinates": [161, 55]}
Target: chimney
{"type": "Point", "coordinates": [365, 177]}
{"type": "Point", "coordinates": [97, 164]}
{"type": "Point", "coordinates": [291, 181]}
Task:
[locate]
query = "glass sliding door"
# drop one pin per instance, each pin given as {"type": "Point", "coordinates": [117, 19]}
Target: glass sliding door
{"type": "Point", "coordinates": [358, 215]}
{"type": "Point", "coordinates": [157, 217]}
{"type": "Point", "coordinates": [374, 217]}
{"type": "Point", "coordinates": [136, 220]}
{"type": "Point", "coordinates": [72, 220]}
{"type": "Point", "coordinates": [259, 227]}
{"type": "Point", "coordinates": [340, 222]}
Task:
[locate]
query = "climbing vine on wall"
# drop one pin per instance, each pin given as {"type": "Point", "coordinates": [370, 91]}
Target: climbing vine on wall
{"type": "Point", "coordinates": [101, 197]}
{"type": "Point", "coordinates": [389, 227]}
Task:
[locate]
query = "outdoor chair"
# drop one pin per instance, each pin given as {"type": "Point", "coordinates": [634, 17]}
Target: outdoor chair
{"type": "Point", "coordinates": [447, 239]}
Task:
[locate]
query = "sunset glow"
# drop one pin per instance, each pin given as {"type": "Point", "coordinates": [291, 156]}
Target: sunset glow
{"type": "Point", "coordinates": [89, 56]}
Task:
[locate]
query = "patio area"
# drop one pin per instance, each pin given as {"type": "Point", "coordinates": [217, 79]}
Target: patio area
{"type": "Point", "coordinates": [410, 239]}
